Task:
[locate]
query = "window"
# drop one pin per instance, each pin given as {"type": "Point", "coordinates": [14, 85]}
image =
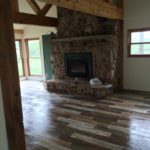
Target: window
{"type": "Point", "coordinates": [18, 44]}
{"type": "Point", "coordinates": [139, 42]}
{"type": "Point", "coordinates": [34, 57]}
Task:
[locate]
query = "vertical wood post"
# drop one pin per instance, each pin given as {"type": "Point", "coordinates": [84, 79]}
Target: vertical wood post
{"type": "Point", "coordinates": [15, 6]}
{"type": "Point", "coordinates": [10, 79]}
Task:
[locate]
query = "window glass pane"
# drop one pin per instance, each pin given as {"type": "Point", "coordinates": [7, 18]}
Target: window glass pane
{"type": "Point", "coordinates": [17, 43]}
{"type": "Point", "coordinates": [135, 49]}
{"type": "Point", "coordinates": [20, 69]}
{"type": "Point", "coordinates": [35, 66]}
{"type": "Point", "coordinates": [140, 49]}
{"type": "Point", "coordinates": [146, 36]}
{"type": "Point", "coordinates": [138, 37]}
{"type": "Point", "coordinates": [34, 48]}
{"type": "Point", "coordinates": [146, 49]}
{"type": "Point", "coordinates": [135, 37]}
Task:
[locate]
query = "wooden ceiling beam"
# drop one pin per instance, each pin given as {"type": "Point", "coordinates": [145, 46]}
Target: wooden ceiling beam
{"type": "Point", "coordinates": [23, 18]}
{"type": "Point", "coordinates": [42, 12]}
{"type": "Point", "coordinates": [93, 7]}
{"type": "Point", "coordinates": [45, 9]}
{"type": "Point", "coordinates": [121, 3]}
{"type": "Point", "coordinates": [35, 7]}
{"type": "Point", "coordinates": [108, 1]}
{"type": "Point", "coordinates": [118, 3]}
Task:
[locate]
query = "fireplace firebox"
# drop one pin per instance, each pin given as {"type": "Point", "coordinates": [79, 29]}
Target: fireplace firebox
{"type": "Point", "coordinates": [79, 65]}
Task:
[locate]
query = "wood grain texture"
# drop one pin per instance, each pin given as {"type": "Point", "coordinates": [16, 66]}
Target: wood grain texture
{"type": "Point", "coordinates": [69, 122]}
{"type": "Point", "coordinates": [45, 9]}
{"type": "Point", "coordinates": [42, 12]}
{"type": "Point", "coordinates": [10, 80]}
{"type": "Point", "coordinates": [24, 18]}
{"type": "Point", "coordinates": [33, 4]}
{"type": "Point", "coordinates": [15, 6]}
{"type": "Point", "coordinates": [95, 7]}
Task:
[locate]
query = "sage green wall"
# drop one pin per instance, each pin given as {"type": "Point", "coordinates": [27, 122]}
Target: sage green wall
{"type": "Point", "coordinates": [3, 136]}
{"type": "Point", "coordinates": [136, 70]}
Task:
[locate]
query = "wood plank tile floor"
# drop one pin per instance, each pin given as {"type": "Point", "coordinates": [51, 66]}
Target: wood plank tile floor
{"type": "Point", "coordinates": [65, 122]}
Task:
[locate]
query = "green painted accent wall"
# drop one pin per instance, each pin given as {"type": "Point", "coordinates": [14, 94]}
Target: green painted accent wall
{"type": "Point", "coordinates": [47, 56]}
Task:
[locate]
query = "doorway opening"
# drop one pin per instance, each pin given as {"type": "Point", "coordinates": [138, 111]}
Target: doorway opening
{"type": "Point", "coordinates": [34, 58]}
{"type": "Point", "coordinates": [33, 52]}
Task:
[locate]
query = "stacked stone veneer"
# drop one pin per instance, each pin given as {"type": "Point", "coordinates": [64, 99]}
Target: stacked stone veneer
{"type": "Point", "coordinates": [104, 47]}
{"type": "Point", "coordinates": [82, 88]}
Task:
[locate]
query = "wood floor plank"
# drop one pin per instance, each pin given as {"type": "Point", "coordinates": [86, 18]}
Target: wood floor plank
{"type": "Point", "coordinates": [131, 108]}
{"type": "Point", "coordinates": [83, 126]}
{"type": "Point", "coordinates": [91, 110]}
{"type": "Point", "coordinates": [79, 102]}
{"type": "Point", "coordinates": [70, 122]}
{"type": "Point", "coordinates": [94, 141]}
{"type": "Point", "coordinates": [51, 145]}
{"type": "Point", "coordinates": [89, 130]}
{"type": "Point", "coordinates": [76, 122]}
{"type": "Point", "coordinates": [63, 110]}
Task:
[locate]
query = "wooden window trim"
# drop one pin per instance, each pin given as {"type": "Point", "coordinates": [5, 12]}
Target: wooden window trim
{"type": "Point", "coordinates": [22, 55]}
{"type": "Point", "coordinates": [27, 49]}
{"type": "Point", "coordinates": [129, 42]}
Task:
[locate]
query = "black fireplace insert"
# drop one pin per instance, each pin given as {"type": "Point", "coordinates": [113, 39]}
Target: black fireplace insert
{"type": "Point", "coordinates": [79, 65]}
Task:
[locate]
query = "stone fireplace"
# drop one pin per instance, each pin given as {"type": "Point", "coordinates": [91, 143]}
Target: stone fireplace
{"type": "Point", "coordinates": [79, 65]}
{"type": "Point", "coordinates": [84, 47]}
{"type": "Point", "coordinates": [102, 63]}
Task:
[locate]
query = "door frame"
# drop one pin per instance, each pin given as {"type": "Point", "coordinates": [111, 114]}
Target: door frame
{"type": "Point", "coordinates": [21, 55]}
{"type": "Point", "coordinates": [27, 51]}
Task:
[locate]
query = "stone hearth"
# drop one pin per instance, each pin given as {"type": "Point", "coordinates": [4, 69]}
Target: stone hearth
{"type": "Point", "coordinates": [79, 88]}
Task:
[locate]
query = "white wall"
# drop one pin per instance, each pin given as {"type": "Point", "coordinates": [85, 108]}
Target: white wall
{"type": "Point", "coordinates": [18, 36]}
{"type": "Point", "coordinates": [136, 70]}
{"type": "Point", "coordinates": [3, 136]}
{"type": "Point", "coordinates": [31, 31]}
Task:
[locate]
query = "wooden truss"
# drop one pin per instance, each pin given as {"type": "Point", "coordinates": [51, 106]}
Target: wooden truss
{"type": "Point", "coordinates": [102, 8]}
{"type": "Point", "coordinates": [39, 18]}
